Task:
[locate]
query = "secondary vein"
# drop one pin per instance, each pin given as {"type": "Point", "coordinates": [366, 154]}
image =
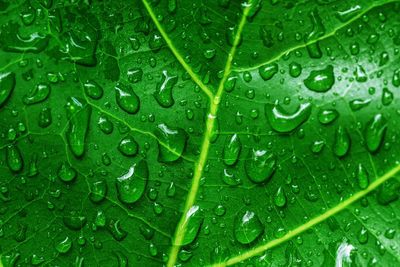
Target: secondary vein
{"type": "Point", "coordinates": [175, 52]}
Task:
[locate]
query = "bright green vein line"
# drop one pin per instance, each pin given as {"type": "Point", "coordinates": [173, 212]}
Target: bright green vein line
{"type": "Point", "coordinates": [173, 49]}
{"type": "Point", "coordinates": [311, 223]}
{"type": "Point", "coordinates": [332, 33]}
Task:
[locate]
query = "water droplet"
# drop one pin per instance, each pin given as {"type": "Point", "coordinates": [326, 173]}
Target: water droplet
{"type": "Point", "coordinates": [78, 115]}
{"type": "Point", "coordinates": [280, 197]}
{"type": "Point", "coordinates": [172, 142]}
{"type": "Point", "coordinates": [317, 146]}
{"type": "Point", "coordinates": [342, 142]}
{"type": "Point", "coordinates": [114, 227]}
{"type": "Point", "coordinates": [268, 71]}
{"type": "Point", "coordinates": [361, 75]}
{"type": "Point", "coordinates": [45, 118]}
{"type": "Point", "coordinates": [135, 75]}
{"type": "Point", "coordinates": [74, 220]}
{"type": "Point", "coordinates": [358, 104]}
{"type": "Point", "coordinates": [131, 185]}
{"type": "Point", "coordinates": [126, 98]}
{"type": "Point", "coordinates": [7, 84]}
{"type": "Point", "coordinates": [362, 176]}
{"type": "Point", "coordinates": [283, 122]}
{"type": "Point", "coordinates": [374, 132]}
{"type": "Point", "coordinates": [37, 95]}
{"type": "Point", "coordinates": [121, 258]}
{"type": "Point", "coordinates": [229, 178]}
{"type": "Point", "coordinates": [171, 190]}
{"type": "Point", "coordinates": [363, 236]}
{"type": "Point", "coordinates": [320, 80]}
{"type": "Point", "coordinates": [64, 245]}
{"type": "Point", "coordinates": [231, 150]}
{"type": "Point", "coordinates": [98, 191]}
{"type": "Point", "coordinates": [93, 89]}
{"type": "Point", "coordinates": [260, 165]}
{"type": "Point", "coordinates": [14, 158]}
{"type": "Point", "coordinates": [346, 15]}
{"type": "Point", "coordinates": [163, 93]}
{"type": "Point", "coordinates": [326, 116]}
{"type": "Point", "coordinates": [128, 146]}
{"type": "Point", "coordinates": [387, 97]}
{"type": "Point", "coordinates": [105, 125]}
{"type": "Point", "coordinates": [193, 221]}
{"type": "Point", "coordinates": [247, 227]}
{"type": "Point", "coordinates": [66, 173]}
{"type": "Point", "coordinates": [295, 69]}
{"type": "Point", "coordinates": [388, 192]}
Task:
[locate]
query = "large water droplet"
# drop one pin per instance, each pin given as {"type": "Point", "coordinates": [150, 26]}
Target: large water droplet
{"type": "Point", "coordinates": [126, 98]}
{"type": "Point", "coordinates": [131, 185]}
{"type": "Point", "coordinates": [193, 221]}
{"type": "Point", "coordinates": [93, 89]}
{"type": "Point", "coordinates": [66, 173]}
{"type": "Point", "coordinates": [128, 146]}
{"type": "Point", "coordinates": [74, 220]}
{"type": "Point", "coordinates": [7, 84]}
{"type": "Point", "coordinates": [320, 80]}
{"type": "Point", "coordinates": [78, 115]}
{"type": "Point", "coordinates": [98, 190]}
{"type": "Point", "coordinates": [247, 227]}
{"type": "Point", "coordinates": [39, 93]}
{"type": "Point", "coordinates": [326, 116]}
{"type": "Point", "coordinates": [362, 176]}
{"type": "Point", "coordinates": [231, 150]}
{"type": "Point", "coordinates": [14, 158]}
{"type": "Point", "coordinates": [64, 245]}
{"type": "Point", "coordinates": [260, 165]}
{"type": "Point", "coordinates": [342, 142]}
{"type": "Point", "coordinates": [172, 142]}
{"type": "Point", "coordinates": [283, 122]}
{"type": "Point", "coordinates": [375, 131]}
{"type": "Point", "coordinates": [114, 227]}
{"type": "Point", "coordinates": [163, 93]}
{"type": "Point", "coordinates": [268, 71]}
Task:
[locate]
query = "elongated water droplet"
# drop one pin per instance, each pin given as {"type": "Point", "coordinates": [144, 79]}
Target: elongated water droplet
{"type": "Point", "coordinates": [232, 150]}
{"type": "Point", "coordinates": [283, 122]}
{"type": "Point", "coordinates": [121, 258]}
{"type": "Point", "coordinates": [387, 97]}
{"type": "Point", "coordinates": [358, 104]}
{"type": "Point", "coordinates": [45, 118]}
{"type": "Point", "coordinates": [361, 75]}
{"type": "Point", "coordinates": [126, 98]}
{"type": "Point", "coordinates": [247, 227]}
{"type": "Point", "coordinates": [363, 236]}
{"type": "Point", "coordinates": [260, 165]}
{"type": "Point", "coordinates": [131, 185]}
{"type": "Point", "coordinates": [93, 89]}
{"type": "Point", "coordinates": [7, 84]}
{"type": "Point", "coordinates": [163, 93]}
{"type": "Point", "coordinates": [320, 80]}
{"type": "Point", "coordinates": [317, 146]}
{"type": "Point", "coordinates": [280, 197]}
{"type": "Point", "coordinates": [362, 176]}
{"type": "Point", "coordinates": [193, 221]}
{"type": "Point", "coordinates": [14, 158]}
{"type": "Point", "coordinates": [98, 191]}
{"type": "Point", "coordinates": [172, 142]}
{"type": "Point", "coordinates": [374, 132]}
{"type": "Point", "coordinates": [342, 142]}
{"type": "Point", "coordinates": [326, 116]}
{"type": "Point", "coordinates": [128, 146]}
{"type": "Point", "coordinates": [39, 93]}
{"type": "Point", "coordinates": [268, 71]}
{"type": "Point", "coordinates": [349, 13]}
{"type": "Point", "coordinates": [78, 115]}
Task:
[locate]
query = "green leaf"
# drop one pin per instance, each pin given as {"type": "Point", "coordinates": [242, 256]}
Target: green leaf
{"type": "Point", "coordinates": [199, 133]}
